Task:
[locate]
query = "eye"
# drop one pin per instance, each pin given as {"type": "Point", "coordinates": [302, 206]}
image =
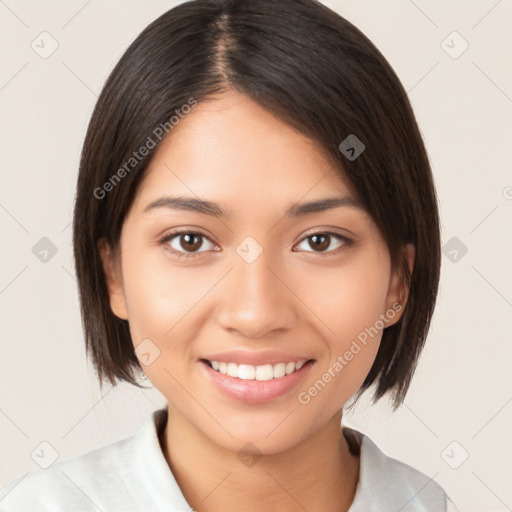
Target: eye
{"type": "Point", "coordinates": [322, 242]}
{"type": "Point", "coordinates": [186, 243]}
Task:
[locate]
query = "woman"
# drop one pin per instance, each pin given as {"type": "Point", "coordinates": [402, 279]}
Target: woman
{"type": "Point", "coordinates": [256, 229]}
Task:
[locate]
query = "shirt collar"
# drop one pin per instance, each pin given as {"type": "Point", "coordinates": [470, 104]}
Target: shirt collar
{"type": "Point", "coordinates": [152, 468]}
{"type": "Point", "coordinates": [382, 482]}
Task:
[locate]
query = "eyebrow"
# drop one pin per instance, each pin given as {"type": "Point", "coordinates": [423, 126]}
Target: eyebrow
{"type": "Point", "coordinates": [214, 210]}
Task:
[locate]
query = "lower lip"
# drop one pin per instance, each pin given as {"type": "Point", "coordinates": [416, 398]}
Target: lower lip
{"type": "Point", "coordinates": [255, 391]}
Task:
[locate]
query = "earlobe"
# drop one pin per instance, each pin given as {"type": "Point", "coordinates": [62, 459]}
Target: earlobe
{"type": "Point", "coordinates": [399, 287]}
{"type": "Point", "coordinates": [113, 280]}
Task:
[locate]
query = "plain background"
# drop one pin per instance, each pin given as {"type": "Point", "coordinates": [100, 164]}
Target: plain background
{"type": "Point", "coordinates": [460, 402]}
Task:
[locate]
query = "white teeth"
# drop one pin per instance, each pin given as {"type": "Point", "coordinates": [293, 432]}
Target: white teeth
{"type": "Point", "coordinates": [279, 370]}
{"type": "Point", "coordinates": [290, 367]}
{"type": "Point", "coordinates": [246, 372]}
{"type": "Point", "coordinates": [265, 372]}
{"type": "Point", "coordinates": [261, 373]}
{"type": "Point", "coordinates": [232, 370]}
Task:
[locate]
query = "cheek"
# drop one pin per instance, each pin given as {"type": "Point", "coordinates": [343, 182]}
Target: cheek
{"type": "Point", "coordinates": [159, 298]}
{"type": "Point", "coordinates": [157, 290]}
{"type": "Point", "coordinates": [350, 301]}
{"type": "Point", "coordinates": [347, 298]}
{"type": "Point", "coordinates": [167, 305]}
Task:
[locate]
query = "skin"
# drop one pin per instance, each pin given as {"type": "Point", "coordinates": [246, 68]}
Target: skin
{"type": "Point", "coordinates": [293, 297]}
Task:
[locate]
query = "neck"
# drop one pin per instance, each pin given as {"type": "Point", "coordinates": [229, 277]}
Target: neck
{"type": "Point", "coordinates": [318, 474]}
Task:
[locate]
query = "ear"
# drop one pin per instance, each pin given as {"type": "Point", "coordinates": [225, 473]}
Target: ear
{"type": "Point", "coordinates": [113, 279]}
{"type": "Point", "coordinates": [398, 292]}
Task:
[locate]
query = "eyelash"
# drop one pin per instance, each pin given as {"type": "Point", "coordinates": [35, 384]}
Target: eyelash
{"type": "Point", "coordinates": [167, 238]}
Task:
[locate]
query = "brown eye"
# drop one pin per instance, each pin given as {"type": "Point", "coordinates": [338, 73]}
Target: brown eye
{"type": "Point", "coordinates": [187, 242]}
{"type": "Point", "coordinates": [190, 241]}
{"type": "Point", "coordinates": [320, 242]}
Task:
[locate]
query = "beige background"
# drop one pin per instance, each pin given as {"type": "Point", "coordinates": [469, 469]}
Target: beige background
{"type": "Point", "coordinates": [462, 390]}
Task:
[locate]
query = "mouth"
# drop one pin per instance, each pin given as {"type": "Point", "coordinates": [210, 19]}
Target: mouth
{"type": "Point", "coordinates": [255, 384]}
{"type": "Point", "coordinates": [251, 372]}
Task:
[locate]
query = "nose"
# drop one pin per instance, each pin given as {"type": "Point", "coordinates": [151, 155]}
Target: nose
{"type": "Point", "coordinates": [255, 301]}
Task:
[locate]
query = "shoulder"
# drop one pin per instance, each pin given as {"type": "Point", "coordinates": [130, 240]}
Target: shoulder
{"type": "Point", "coordinates": [97, 480]}
{"type": "Point", "coordinates": [387, 484]}
{"type": "Point", "coordinates": [76, 481]}
{"type": "Point", "coordinates": [131, 474]}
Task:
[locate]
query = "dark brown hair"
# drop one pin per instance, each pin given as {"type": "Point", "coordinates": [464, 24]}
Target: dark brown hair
{"type": "Point", "coordinates": [317, 72]}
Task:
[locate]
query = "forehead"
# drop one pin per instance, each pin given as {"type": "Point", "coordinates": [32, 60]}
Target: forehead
{"type": "Point", "coordinates": [233, 151]}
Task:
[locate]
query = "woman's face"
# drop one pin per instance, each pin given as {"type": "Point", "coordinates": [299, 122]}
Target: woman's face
{"type": "Point", "coordinates": [255, 279]}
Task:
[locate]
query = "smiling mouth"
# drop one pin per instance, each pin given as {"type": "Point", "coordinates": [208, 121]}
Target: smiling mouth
{"type": "Point", "coordinates": [260, 373]}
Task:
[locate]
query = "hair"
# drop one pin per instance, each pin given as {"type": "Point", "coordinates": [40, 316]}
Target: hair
{"type": "Point", "coordinates": [315, 71]}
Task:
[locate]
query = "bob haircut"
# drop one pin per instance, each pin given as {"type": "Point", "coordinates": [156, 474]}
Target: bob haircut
{"type": "Point", "coordinates": [314, 70]}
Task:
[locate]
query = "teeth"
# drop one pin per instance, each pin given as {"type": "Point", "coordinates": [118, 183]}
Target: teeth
{"type": "Point", "coordinates": [264, 372]}
{"type": "Point", "coordinates": [246, 371]}
{"type": "Point", "coordinates": [232, 370]}
{"type": "Point", "coordinates": [250, 372]}
{"type": "Point", "coordinates": [279, 370]}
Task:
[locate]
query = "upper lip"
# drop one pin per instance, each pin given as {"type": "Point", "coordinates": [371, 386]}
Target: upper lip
{"type": "Point", "coordinates": [255, 358]}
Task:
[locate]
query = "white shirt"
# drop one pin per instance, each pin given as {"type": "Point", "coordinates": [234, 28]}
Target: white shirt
{"type": "Point", "coordinates": [132, 475]}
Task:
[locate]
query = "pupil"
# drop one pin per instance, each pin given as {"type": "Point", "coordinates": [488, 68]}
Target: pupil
{"type": "Point", "coordinates": [321, 241]}
{"type": "Point", "coordinates": [189, 237]}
